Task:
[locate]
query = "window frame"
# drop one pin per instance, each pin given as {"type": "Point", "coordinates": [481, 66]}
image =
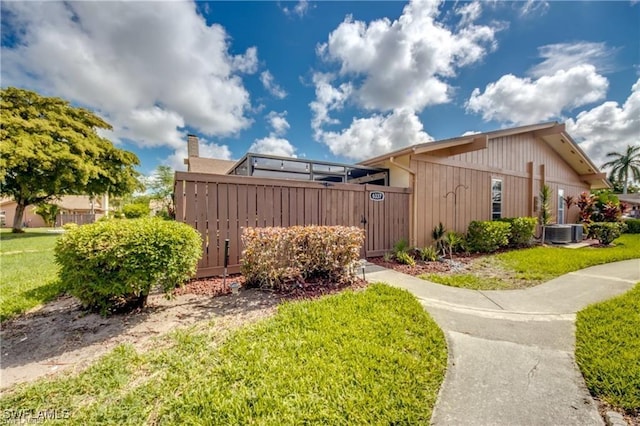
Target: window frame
{"type": "Point", "coordinates": [493, 203]}
{"type": "Point", "coordinates": [561, 207]}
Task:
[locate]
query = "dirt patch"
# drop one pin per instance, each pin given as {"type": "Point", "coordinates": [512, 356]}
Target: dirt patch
{"type": "Point", "coordinates": [475, 264]}
{"type": "Point", "coordinates": [61, 336]}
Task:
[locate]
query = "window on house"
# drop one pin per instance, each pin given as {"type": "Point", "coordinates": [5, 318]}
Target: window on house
{"type": "Point", "coordinates": [560, 205]}
{"type": "Point", "coordinates": [496, 199]}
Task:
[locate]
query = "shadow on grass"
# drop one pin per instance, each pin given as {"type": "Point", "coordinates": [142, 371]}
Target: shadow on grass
{"type": "Point", "coordinates": [8, 235]}
{"type": "Point", "coordinates": [44, 293]}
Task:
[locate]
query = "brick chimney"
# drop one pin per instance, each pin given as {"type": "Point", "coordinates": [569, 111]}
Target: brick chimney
{"type": "Point", "coordinates": [193, 149]}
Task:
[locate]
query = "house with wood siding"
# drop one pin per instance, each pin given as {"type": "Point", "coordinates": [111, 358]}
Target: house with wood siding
{"type": "Point", "coordinates": [399, 195]}
{"type": "Point", "coordinates": [488, 176]}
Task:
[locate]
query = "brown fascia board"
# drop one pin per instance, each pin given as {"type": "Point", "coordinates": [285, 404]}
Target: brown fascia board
{"type": "Point", "coordinates": [579, 150]}
{"type": "Point", "coordinates": [592, 178]}
{"type": "Point", "coordinates": [459, 141]}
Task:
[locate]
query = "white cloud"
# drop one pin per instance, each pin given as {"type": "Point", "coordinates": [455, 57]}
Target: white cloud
{"type": "Point", "coordinates": [327, 98]}
{"type": "Point", "coordinates": [404, 63]}
{"type": "Point", "coordinates": [470, 133]}
{"type": "Point", "coordinates": [278, 122]}
{"type": "Point", "coordinates": [469, 12]}
{"type": "Point", "coordinates": [301, 8]}
{"type": "Point", "coordinates": [248, 62]}
{"type": "Point", "coordinates": [608, 127]}
{"type": "Point", "coordinates": [533, 8]}
{"type": "Point", "coordinates": [273, 146]}
{"type": "Point", "coordinates": [272, 87]}
{"type": "Point", "coordinates": [150, 71]}
{"type": "Point", "coordinates": [393, 68]}
{"type": "Point", "coordinates": [522, 100]}
{"type": "Point", "coordinates": [368, 137]}
{"type": "Point", "coordinates": [207, 150]}
{"type": "Point", "coordinates": [564, 56]}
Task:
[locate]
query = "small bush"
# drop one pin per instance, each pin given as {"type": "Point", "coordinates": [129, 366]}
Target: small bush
{"type": "Point", "coordinates": [135, 211]}
{"type": "Point", "coordinates": [437, 234]}
{"type": "Point", "coordinates": [428, 254]}
{"type": "Point", "coordinates": [277, 257]}
{"type": "Point", "coordinates": [401, 246]}
{"type": "Point", "coordinates": [605, 232]}
{"type": "Point", "coordinates": [405, 258]}
{"type": "Point", "coordinates": [487, 236]}
{"type": "Point", "coordinates": [522, 229]}
{"type": "Point", "coordinates": [633, 226]}
{"type": "Point", "coordinates": [453, 243]}
{"type": "Point", "coordinates": [113, 263]}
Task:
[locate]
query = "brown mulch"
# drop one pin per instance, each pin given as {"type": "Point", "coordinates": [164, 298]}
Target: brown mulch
{"type": "Point", "coordinates": [422, 267]}
{"type": "Point", "coordinates": [210, 286]}
{"type": "Point", "coordinates": [216, 286]}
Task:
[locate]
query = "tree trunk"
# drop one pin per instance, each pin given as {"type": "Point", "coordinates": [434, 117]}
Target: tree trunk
{"type": "Point", "coordinates": [626, 182]}
{"type": "Point", "coordinates": [18, 218]}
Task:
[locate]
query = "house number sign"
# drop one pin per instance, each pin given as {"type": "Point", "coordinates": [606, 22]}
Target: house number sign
{"type": "Point", "coordinates": [376, 196]}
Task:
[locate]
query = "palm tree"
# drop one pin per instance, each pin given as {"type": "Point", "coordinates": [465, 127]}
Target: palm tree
{"type": "Point", "coordinates": [623, 165]}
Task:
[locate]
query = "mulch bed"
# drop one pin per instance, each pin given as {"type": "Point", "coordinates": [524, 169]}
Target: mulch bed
{"type": "Point", "coordinates": [216, 286]}
{"type": "Point", "coordinates": [422, 267]}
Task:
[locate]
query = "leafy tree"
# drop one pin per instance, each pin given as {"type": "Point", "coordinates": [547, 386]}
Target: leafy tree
{"type": "Point", "coordinates": [618, 185]}
{"type": "Point", "coordinates": [160, 187]}
{"type": "Point", "coordinates": [48, 213]}
{"type": "Point", "coordinates": [49, 148]}
{"type": "Point", "coordinates": [625, 165]}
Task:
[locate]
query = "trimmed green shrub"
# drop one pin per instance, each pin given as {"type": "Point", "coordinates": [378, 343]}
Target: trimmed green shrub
{"type": "Point", "coordinates": [522, 229]}
{"type": "Point", "coordinates": [279, 257]}
{"type": "Point", "coordinates": [115, 263]}
{"type": "Point", "coordinates": [428, 253]}
{"type": "Point", "coordinates": [633, 226]}
{"type": "Point", "coordinates": [135, 211]}
{"type": "Point", "coordinates": [487, 236]}
{"type": "Point", "coordinates": [605, 232]}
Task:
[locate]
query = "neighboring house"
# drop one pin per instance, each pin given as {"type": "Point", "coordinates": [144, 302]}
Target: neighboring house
{"type": "Point", "coordinates": [633, 200]}
{"type": "Point", "coordinates": [70, 205]}
{"type": "Point", "coordinates": [198, 164]}
{"type": "Point", "coordinates": [490, 175]}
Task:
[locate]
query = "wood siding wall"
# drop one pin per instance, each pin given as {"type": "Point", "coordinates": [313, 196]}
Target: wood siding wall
{"type": "Point", "coordinates": [219, 206]}
{"type": "Point", "coordinates": [523, 162]}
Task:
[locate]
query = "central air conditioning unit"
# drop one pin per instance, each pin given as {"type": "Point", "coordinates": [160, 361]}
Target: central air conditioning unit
{"type": "Point", "coordinates": [558, 234]}
{"type": "Point", "coordinates": [577, 232]}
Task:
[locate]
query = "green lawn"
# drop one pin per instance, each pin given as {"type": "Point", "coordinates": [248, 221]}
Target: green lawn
{"type": "Point", "coordinates": [608, 349]}
{"type": "Point", "coordinates": [28, 275]}
{"type": "Point", "coordinates": [368, 357]}
{"type": "Point", "coordinates": [528, 267]}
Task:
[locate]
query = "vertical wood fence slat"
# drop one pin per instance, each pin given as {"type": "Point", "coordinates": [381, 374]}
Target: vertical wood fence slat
{"type": "Point", "coordinates": [212, 226]}
{"type": "Point", "coordinates": [220, 207]}
{"type": "Point", "coordinates": [201, 220]}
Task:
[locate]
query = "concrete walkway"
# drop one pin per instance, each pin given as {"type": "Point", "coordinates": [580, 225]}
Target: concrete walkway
{"type": "Point", "coordinates": [511, 352]}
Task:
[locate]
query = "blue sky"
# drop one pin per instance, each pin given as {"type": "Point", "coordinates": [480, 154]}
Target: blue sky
{"type": "Point", "coordinates": [339, 81]}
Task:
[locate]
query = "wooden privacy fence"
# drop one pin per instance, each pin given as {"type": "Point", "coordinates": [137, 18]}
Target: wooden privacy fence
{"type": "Point", "coordinates": [219, 206]}
{"type": "Point", "coordinates": [78, 218]}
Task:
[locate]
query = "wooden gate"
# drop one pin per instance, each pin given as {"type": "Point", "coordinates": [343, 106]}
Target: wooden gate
{"type": "Point", "coordinates": [219, 206]}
